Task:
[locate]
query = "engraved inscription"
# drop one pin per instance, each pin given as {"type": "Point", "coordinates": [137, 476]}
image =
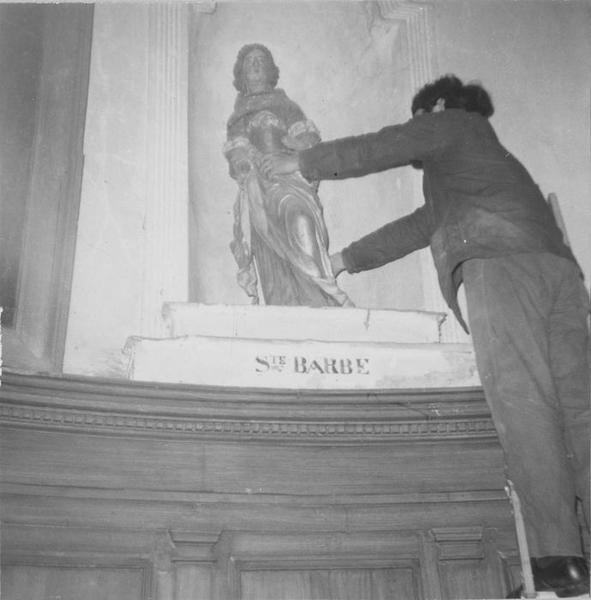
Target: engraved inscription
{"type": "Point", "coordinates": [306, 365]}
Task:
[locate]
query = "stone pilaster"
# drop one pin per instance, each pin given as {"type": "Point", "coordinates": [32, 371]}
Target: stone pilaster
{"type": "Point", "coordinates": [166, 227]}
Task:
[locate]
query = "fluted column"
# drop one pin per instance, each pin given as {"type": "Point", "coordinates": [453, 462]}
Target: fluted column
{"type": "Point", "coordinates": [165, 223]}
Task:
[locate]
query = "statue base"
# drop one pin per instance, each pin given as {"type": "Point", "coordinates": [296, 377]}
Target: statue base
{"type": "Point", "coordinates": [301, 348]}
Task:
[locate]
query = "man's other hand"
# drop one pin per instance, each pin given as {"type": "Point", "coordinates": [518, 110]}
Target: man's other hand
{"type": "Point", "coordinates": [337, 264]}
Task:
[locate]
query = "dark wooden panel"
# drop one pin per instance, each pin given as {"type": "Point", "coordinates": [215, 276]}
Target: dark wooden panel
{"type": "Point", "coordinates": [69, 583]}
{"type": "Point", "coordinates": [53, 458]}
{"type": "Point", "coordinates": [323, 584]}
{"type": "Point", "coordinates": [467, 579]}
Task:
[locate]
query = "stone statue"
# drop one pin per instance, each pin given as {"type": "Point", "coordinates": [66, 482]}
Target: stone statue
{"type": "Point", "coordinates": [280, 238]}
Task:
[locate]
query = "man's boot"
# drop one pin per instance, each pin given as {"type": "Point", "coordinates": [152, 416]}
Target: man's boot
{"type": "Point", "coordinates": [566, 576]}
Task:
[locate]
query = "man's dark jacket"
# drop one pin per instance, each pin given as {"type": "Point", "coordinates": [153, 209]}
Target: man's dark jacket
{"type": "Point", "coordinates": [479, 200]}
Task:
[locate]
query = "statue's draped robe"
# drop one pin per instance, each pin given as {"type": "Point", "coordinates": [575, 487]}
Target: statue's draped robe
{"type": "Point", "coordinates": [278, 223]}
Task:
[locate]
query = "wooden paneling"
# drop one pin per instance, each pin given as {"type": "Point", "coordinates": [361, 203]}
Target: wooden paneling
{"type": "Point", "coordinates": [227, 494]}
{"type": "Point", "coordinates": [325, 584]}
{"type": "Point", "coordinates": [468, 562]}
{"type": "Point", "coordinates": [193, 582]}
{"type": "Point", "coordinates": [71, 583]}
{"type": "Point", "coordinates": [65, 459]}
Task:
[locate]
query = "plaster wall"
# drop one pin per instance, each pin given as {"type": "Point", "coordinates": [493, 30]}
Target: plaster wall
{"type": "Point", "coordinates": [109, 267]}
{"type": "Point", "coordinates": [535, 58]}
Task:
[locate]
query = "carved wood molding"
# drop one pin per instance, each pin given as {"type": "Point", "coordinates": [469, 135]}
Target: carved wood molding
{"type": "Point", "coordinates": [86, 405]}
{"type": "Point", "coordinates": [367, 431]}
{"type": "Point", "coordinates": [76, 494]}
{"type": "Point", "coordinates": [457, 543]}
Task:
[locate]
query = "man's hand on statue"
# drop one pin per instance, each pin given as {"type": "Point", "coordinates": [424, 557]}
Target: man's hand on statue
{"type": "Point", "coordinates": [337, 264]}
{"type": "Point", "coordinates": [293, 143]}
{"type": "Point", "coordinates": [301, 142]}
{"type": "Point", "coordinates": [280, 163]}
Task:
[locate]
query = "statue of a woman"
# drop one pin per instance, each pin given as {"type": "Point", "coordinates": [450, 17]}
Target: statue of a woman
{"type": "Point", "coordinates": [280, 238]}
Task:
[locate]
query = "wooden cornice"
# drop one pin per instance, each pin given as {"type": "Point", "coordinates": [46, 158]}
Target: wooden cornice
{"type": "Point", "coordinates": [90, 405]}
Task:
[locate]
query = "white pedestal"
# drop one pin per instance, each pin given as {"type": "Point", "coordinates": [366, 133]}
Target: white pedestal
{"type": "Point", "coordinates": [301, 348]}
{"type": "Point", "coordinates": [302, 323]}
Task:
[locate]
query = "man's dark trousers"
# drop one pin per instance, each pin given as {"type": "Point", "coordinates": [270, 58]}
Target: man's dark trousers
{"type": "Point", "coordinates": [528, 319]}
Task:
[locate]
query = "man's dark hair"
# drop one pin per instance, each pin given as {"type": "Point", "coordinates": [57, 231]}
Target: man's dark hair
{"type": "Point", "coordinates": [273, 69]}
{"type": "Point", "coordinates": [472, 97]}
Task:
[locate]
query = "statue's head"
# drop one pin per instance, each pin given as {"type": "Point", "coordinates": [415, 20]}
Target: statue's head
{"type": "Point", "coordinates": [255, 69]}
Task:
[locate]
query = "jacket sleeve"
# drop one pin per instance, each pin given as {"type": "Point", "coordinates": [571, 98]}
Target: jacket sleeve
{"type": "Point", "coordinates": [356, 156]}
{"type": "Point", "coordinates": [390, 242]}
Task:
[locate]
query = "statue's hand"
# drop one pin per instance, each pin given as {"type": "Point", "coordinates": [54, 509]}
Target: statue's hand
{"type": "Point", "coordinates": [280, 163]}
{"type": "Point", "coordinates": [240, 164]}
{"type": "Point", "coordinates": [241, 169]}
